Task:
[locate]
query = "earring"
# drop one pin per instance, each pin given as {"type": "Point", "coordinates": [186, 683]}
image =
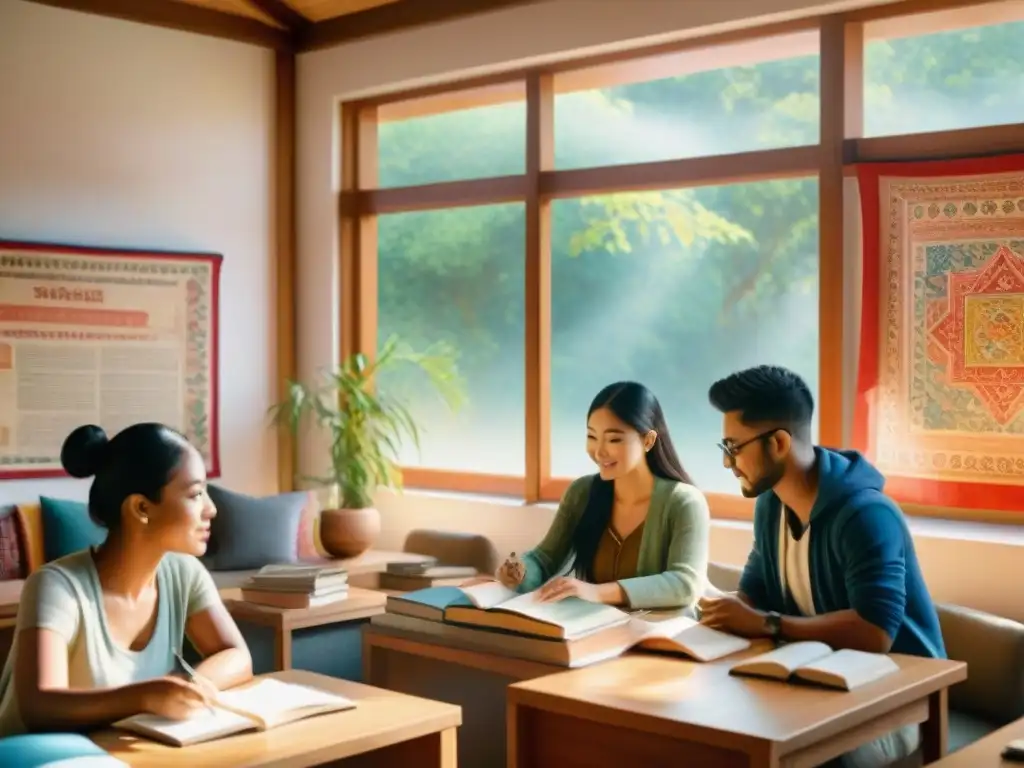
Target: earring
{"type": "Point", "coordinates": [145, 520]}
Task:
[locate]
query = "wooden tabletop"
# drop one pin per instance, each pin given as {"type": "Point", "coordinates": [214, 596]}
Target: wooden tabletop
{"type": "Point", "coordinates": [360, 604]}
{"type": "Point", "coordinates": [381, 719]}
{"type": "Point", "coordinates": [985, 753]}
{"type": "Point", "coordinates": [670, 695]}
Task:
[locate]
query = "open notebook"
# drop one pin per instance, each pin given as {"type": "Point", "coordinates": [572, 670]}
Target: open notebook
{"type": "Point", "coordinates": [817, 663]}
{"type": "Point", "coordinates": [495, 606]}
{"type": "Point", "coordinates": [260, 707]}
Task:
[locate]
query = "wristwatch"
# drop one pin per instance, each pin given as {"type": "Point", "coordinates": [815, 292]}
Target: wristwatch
{"type": "Point", "coordinates": [773, 624]}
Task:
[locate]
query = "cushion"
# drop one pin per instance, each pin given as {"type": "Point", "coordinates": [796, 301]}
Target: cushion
{"type": "Point", "coordinates": [250, 532]}
{"type": "Point", "coordinates": [49, 750]}
{"type": "Point", "coordinates": [68, 528]}
{"type": "Point", "coordinates": [31, 516]}
{"type": "Point", "coordinates": [12, 558]}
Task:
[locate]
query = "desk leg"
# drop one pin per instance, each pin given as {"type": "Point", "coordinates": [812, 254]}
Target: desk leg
{"type": "Point", "coordinates": [436, 750]}
{"type": "Point", "coordinates": [935, 730]}
{"type": "Point", "coordinates": [283, 649]}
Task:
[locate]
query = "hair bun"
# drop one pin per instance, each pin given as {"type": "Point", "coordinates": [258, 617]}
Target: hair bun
{"type": "Point", "coordinates": [84, 450]}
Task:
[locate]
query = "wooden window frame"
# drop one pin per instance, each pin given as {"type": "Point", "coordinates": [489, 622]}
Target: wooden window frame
{"type": "Point", "coordinates": [840, 45]}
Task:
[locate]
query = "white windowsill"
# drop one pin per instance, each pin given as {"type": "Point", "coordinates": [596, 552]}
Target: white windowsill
{"type": "Point", "coordinates": [925, 527]}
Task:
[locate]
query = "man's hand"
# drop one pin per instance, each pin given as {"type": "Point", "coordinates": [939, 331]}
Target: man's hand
{"type": "Point", "coordinates": [563, 587]}
{"type": "Point", "coordinates": [730, 614]}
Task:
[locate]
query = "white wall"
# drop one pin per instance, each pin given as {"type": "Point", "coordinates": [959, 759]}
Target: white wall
{"type": "Point", "coordinates": [119, 134]}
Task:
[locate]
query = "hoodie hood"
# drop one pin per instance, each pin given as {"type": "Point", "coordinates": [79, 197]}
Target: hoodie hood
{"type": "Point", "coordinates": [842, 474]}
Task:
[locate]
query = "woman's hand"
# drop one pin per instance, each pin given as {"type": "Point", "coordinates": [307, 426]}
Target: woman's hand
{"type": "Point", "coordinates": [173, 698]}
{"type": "Point", "coordinates": [512, 572]}
{"type": "Point", "coordinates": [563, 587]}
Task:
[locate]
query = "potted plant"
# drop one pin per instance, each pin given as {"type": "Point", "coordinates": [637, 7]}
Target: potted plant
{"type": "Point", "coordinates": [367, 426]}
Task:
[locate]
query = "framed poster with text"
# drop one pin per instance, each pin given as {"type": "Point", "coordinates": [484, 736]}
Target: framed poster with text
{"type": "Point", "coordinates": [104, 336]}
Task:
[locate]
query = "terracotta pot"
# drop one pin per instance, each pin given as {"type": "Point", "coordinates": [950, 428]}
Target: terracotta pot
{"type": "Point", "coordinates": [349, 532]}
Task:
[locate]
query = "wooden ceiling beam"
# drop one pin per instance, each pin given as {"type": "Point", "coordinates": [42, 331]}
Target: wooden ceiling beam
{"type": "Point", "coordinates": [183, 17]}
{"type": "Point", "coordinates": [282, 13]}
{"type": "Point", "coordinates": [401, 15]}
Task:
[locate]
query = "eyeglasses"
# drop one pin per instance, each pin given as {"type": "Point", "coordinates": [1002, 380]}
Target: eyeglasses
{"type": "Point", "coordinates": [731, 450]}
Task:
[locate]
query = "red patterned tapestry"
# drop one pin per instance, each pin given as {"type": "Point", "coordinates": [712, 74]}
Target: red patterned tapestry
{"type": "Point", "coordinates": [940, 392]}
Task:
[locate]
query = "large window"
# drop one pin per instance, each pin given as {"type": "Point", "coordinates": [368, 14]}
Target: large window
{"type": "Point", "coordinates": [669, 217]}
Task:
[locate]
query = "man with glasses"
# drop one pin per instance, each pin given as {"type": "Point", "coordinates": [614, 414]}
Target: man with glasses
{"type": "Point", "coordinates": [833, 559]}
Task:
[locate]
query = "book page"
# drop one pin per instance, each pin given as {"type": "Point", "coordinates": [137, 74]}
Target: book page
{"type": "Point", "coordinates": [205, 725]}
{"type": "Point", "coordinates": [571, 614]}
{"type": "Point", "coordinates": [274, 702]}
{"type": "Point", "coordinates": [489, 594]}
{"type": "Point", "coordinates": [697, 641]}
{"type": "Point", "coordinates": [848, 669]}
{"type": "Point", "coordinates": [786, 657]}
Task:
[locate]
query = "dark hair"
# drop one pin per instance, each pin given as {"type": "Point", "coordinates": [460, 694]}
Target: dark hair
{"type": "Point", "coordinates": [139, 460]}
{"type": "Point", "coordinates": [636, 405]}
{"type": "Point", "coordinates": [767, 394]}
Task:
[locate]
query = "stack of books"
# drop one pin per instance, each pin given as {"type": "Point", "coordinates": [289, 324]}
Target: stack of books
{"type": "Point", "coordinates": [409, 577]}
{"type": "Point", "coordinates": [568, 633]}
{"type": "Point", "coordinates": [296, 586]}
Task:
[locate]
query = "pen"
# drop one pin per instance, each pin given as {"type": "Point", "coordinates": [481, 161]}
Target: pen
{"type": "Point", "coordinates": [192, 674]}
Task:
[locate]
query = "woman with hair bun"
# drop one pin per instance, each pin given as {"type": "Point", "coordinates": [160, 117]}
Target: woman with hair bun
{"type": "Point", "coordinates": [99, 631]}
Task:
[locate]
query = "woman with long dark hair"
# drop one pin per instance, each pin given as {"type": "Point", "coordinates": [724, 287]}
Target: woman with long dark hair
{"type": "Point", "coordinates": [636, 533]}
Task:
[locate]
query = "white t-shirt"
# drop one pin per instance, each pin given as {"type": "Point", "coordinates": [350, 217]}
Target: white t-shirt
{"type": "Point", "coordinates": [65, 596]}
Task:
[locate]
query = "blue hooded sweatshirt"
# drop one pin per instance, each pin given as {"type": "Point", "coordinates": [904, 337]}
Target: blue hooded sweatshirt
{"type": "Point", "coordinates": [861, 556]}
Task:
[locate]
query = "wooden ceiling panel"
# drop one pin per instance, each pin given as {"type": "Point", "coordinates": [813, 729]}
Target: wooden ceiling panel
{"type": "Point", "coordinates": [235, 7]}
{"type": "Point", "coordinates": [320, 10]}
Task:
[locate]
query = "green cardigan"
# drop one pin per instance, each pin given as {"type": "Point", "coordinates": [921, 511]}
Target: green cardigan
{"type": "Point", "coordinates": [673, 562]}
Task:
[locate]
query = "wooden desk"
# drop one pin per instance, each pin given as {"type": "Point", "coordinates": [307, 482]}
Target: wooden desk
{"type": "Point", "coordinates": [385, 729]}
{"type": "Point", "coordinates": [476, 681]}
{"type": "Point", "coordinates": [360, 604]}
{"type": "Point", "coordinates": [645, 709]}
{"type": "Point", "coordinates": [985, 753]}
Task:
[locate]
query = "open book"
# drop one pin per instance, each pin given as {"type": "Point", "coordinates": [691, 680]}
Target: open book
{"type": "Point", "coordinates": [260, 707]}
{"type": "Point", "coordinates": [686, 636]}
{"type": "Point", "coordinates": [812, 662]}
{"type": "Point", "coordinates": [673, 633]}
{"type": "Point", "coordinates": [495, 606]}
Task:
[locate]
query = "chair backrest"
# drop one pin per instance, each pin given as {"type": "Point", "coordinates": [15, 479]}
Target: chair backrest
{"type": "Point", "coordinates": [453, 548]}
{"type": "Point", "coordinates": [993, 648]}
{"type": "Point", "coordinates": [724, 577]}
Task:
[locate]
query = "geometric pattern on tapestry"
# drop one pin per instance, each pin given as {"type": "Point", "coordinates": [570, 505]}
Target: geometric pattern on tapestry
{"type": "Point", "coordinates": [975, 322]}
{"type": "Point", "coordinates": [950, 394]}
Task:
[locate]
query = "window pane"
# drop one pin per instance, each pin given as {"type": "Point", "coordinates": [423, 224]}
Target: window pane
{"type": "Point", "coordinates": [964, 78]}
{"type": "Point", "coordinates": [707, 102]}
{"type": "Point", "coordinates": [677, 289]}
{"type": "Point", "coordinates": [472, 143]}
{"type": "Point", "coordinates": [457, 276]}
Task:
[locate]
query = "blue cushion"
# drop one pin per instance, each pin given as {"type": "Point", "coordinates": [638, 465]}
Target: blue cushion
{"type": "Point", "coordinates": [36, 750]}
{"type": "Point", "coordinates": [68, 528]}
{"type": "Point", "coordinates": [249, 532]}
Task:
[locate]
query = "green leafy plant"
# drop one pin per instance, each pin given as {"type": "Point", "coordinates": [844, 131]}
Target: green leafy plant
{"type": "Point", "coordinates": [368, 424]}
